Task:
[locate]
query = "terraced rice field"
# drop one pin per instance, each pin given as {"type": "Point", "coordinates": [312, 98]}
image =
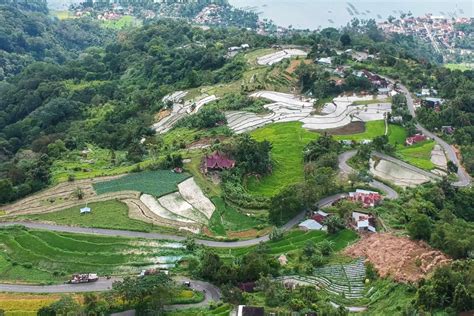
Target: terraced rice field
{"type": "Point", "coordinates": [345, 280]}
{"type": "Point", "coordinates": [296, 240]}
{"type": "Point", "coordinates": [290, 108]}
{"type": "Point", "coordinates": [157, 183]}
{"type": "Point", "coordinates": [288, 141]}
{"type": "Point", "coordinates": [45, 257]}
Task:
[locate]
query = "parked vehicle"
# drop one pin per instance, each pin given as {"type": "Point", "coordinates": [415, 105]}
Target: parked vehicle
{"type": "Point", "coordinates": [83, 278]}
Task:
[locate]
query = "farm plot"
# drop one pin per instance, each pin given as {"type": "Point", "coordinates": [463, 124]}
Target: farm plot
{"type": "Point", "coordinates": [345, 280]}
{"type": "Point", "coordinates": [290, 108]}
{"type": "Point", "coordinates": [288, 141]}
{"type": "Point", "coordinates": [180, 109]}
{"type": "Point", "coordinates": [294, 241]}
{"type": "Point", "coordinates": [398, 175]}
{"type": "Point", "coordinates": [156, 183]}
{"type": "Point", "coordinates": [107, 214]}
{"type": "Point", "coordinates": [187, 208]}
{"type": "Point", "coordinates": [276, 57]}
{"type": "Point", "coordinates": [43, 257]}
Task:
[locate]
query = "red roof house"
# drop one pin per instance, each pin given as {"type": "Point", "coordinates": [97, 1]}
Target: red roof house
{"type": "Point", "coordinates": [415, 139]}
{"type": "Point", "coordinates": [218, 161]}
{"type": "Point", "coordinates": [367, 198]}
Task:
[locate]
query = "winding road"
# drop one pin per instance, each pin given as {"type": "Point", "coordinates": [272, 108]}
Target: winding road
{"type": "Point", "coordinates": [464, 179]}
{"type": "Point", "coordinates": [212, 292]}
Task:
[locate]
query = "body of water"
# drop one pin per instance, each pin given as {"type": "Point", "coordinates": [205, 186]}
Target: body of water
{"type": "Point", "coordinates": [313, 14]}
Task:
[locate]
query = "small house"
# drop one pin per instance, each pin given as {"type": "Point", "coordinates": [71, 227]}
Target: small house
{"type": "Point", "coordinates": [363, 222]}
{"type": "Point", "coordinates": [367, 198]}
{"type": "Point", "coordinates": [310, 224]}
{"type": "Point", "coordinates": [325, 61]}
{"type": "Point", "coordinates": [85, 210]}
{"type": "Point", "coordinates": [320, 216]}
{"type": "Point", "coordinates": [218, 162]}
{"type": "Point", "coordinates": [283, 260]}
{"type": "Point", "coordinates": [243, 310]}
{"type": "Point", "coordinates": [432, 102]}
{"type": "Point", "coordinates": [384, 91]}
{"type": "Point", "coordinates": [448, 130]}
{"type": "Point", "coordinates": [417, 138]}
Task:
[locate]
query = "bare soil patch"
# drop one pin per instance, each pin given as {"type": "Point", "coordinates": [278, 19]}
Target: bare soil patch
{"type": "Point", "coordinates": [350, 129]}
{"type": "Point", "coordinates": [295, 63]}
{"type": "Point", "coordinates": [251, 233]}
{"type": "Point", "coordinates": [403, 259]}
{"type": "Point", "coordinates": [162, 114]}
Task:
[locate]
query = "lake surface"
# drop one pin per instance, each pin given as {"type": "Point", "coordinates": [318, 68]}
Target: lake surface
{"type": "Point", "coordinates": [313, 14]}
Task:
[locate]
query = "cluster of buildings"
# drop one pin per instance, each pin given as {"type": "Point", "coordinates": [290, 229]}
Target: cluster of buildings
{"type": "Point", "coordinates": [361, 220]}
{"type": "Point", "coordinates": [442, 32]}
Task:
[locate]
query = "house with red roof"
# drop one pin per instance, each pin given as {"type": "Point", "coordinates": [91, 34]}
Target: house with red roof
{"type": "Point", "coordinates": [218, 162]}
{"type": "Point", "coordinates": [415, 139]}
{"type": "Point", "coordinates": [367, 198]}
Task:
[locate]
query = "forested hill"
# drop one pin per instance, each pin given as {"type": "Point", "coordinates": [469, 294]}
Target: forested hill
{"type": "Point", "coordinates": [28, 35]}
{"type": "Point", "coordinates": [27, 5]}
{"type": "Point", "coordinates": [107, 95]}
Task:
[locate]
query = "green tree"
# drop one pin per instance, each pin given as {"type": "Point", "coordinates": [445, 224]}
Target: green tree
{"type": "Point", "coordinates": [334, 224]}
{"type": "Point", "coordinates": [420, 227]}
{"type": "Point", "coordinates": [345, 39]}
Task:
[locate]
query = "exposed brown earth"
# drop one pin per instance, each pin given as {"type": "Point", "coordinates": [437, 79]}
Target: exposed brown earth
{"type": "Point", "coordinates": [350, 129]}
{"type": "Point", "coordinates": [401, 258]}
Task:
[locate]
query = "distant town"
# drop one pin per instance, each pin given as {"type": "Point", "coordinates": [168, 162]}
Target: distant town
{"type": "Point", "coordinates": [451, 37]}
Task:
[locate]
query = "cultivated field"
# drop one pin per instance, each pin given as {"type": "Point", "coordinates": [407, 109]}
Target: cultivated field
{"type": "Point", "coordinates": [46, 257]}
{"type": "Point", "coordinates": [276, 57]}
{"type": "Point", "coordinates": [345, 280]}
{"type": "Point", "coordinates": [156, 183]}
{"type": "Point", "coordinates": [403, 259]}
{"type": "Point", "coordinates": [295, 240]}
{"type": "Point", "coordinates": [180, 109]}
{"type": "Point", "coordinates": [397, 174]}
{"type": "Point", "coordinates": [288, 141]}
{"type": "Point", "coordinates": [290, 108]}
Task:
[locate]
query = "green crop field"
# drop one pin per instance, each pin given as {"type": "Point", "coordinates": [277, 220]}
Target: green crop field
{"type": "Point", "coordinates": [396, 133]}
{"type": "Point", "coordinates": [110, 214]}
{"type": "Point", "coordinates": [96, 163]}
{"type": "Point", "coordinates": [226, 218]}
{"type": "Point", "coordinates": [222, 310]}
{"type": "Point", "coordinates": [418, 155]}
{"type": "Point", "coordinates": [157, 183]}
{"type": "Point", "coordinates": [462, 67]}
{"type": "Point", "coordinates": [45, 257]}
{"type": "Point", "coordinates": [288, 141]}
{"type": "Point", "coordinates": [295, 240]}
{"type": "Point", "coordinates": [123, 22]}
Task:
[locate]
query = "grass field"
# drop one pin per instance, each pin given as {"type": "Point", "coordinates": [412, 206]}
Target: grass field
{"type": "Point", "coordinates": [295, 240]}
{"type": "Point", "coordinates": [288, 141]}
{"type": "Point", "coordinates": [462, 67]}
{"type": "Point", "coordinates": [226, 219]}
{"type": "Point", "coordinates": [418, 155]}
{"type": "Point", "coordinates": [49, 257]}
{"type": "Point", "coordinates": [96, 163]}
{"type": "Point", "coordinates": [111, 214]}
{"type": "Point", "coordinates": [157, 183]}
{"type": "Point", "coordinates": [396, 133]}
{"type": "Point", "coordinates": [222, 310]}
{"type": "Point", "coordinates": [123, 22]}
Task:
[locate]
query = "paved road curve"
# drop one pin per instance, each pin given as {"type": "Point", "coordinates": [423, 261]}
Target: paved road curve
{"type": "Point", "coordinates": [463, 176]}
{"type": "Point", "coordinates": [132, 234]}
{"type": "Point", "coordinates": [345, 168]}
{"type": "Point", "coordinates": [211, 292]}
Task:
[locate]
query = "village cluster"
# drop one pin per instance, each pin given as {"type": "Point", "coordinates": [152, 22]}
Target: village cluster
{"type": "Point", "coordinates": [440, 31]}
